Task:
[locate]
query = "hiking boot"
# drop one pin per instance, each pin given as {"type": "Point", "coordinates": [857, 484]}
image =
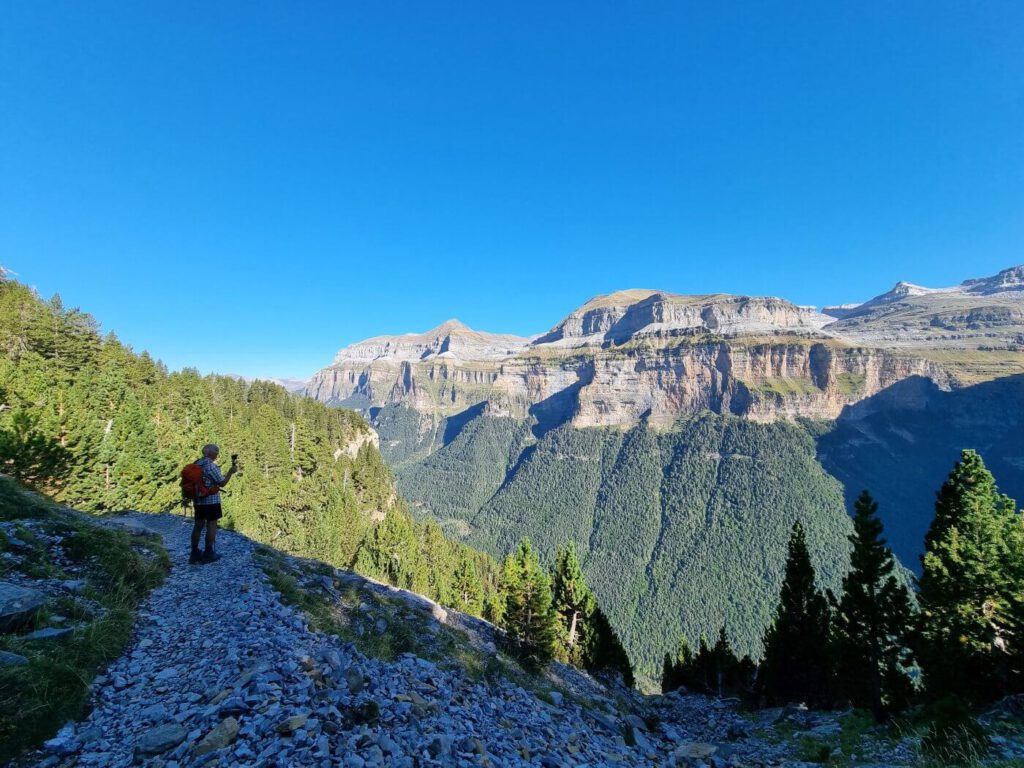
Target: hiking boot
{"type": "Point", "coordinates": [210, 556]}
{"type": "Point", "coordinates": [195, 557]}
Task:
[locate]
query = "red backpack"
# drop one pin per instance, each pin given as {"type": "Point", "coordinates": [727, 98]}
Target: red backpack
{"type": "Point", "coordinates": [192, 483]}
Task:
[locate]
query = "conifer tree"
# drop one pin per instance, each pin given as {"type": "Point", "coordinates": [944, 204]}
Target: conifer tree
{"type": "Point", "coordinates": [796, 659]}
{"type": "Point", "coordinates": [673, 671]}
{"type": "Point", "coordinates": [968, 587]}
{"type": "Point", "coordinates": [605, 651]}
{"type": "Point", "coordinates": [467, 587]}
{"type": "Point", "coordinates": [871, 620]}
{"type": "Point", "coordinates": [529, 619]}
{"type": "Point", "coordinates": [574, 604]}
{"type": "Point", "coordinates": [668, 674]}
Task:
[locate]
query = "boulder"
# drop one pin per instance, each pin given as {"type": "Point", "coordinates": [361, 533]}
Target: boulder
{"type": "Point", "coordinates": [223, 734]}
{"type": "Point", "coordinates": [160, 739]}
{"type": "Point", "coordinates": [695, 750]}
{"type": "Point", "coordinates": [18, 606]}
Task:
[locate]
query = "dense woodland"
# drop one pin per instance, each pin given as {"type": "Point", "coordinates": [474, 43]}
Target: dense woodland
{"type": "Point", "coordinates": [100, 428]}
{"type": "Point", "coordinates": [961, 628]}
{"type": "Point", "coordinates": [678, 533]}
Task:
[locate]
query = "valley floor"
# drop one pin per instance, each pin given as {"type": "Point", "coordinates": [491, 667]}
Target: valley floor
{"type": "Point", "coordinates": [223, 671]}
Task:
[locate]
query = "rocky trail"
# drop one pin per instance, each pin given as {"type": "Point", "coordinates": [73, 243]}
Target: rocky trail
{"type": "Point", "coordinates": [221, 672]}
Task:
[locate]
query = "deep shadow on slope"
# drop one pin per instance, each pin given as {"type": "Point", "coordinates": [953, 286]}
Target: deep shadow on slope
{"type": "Point", "coordinates": [902, 443]}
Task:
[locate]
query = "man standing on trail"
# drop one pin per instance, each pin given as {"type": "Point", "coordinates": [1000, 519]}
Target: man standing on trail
{"type": "Point", "coordinates": [207, 508]}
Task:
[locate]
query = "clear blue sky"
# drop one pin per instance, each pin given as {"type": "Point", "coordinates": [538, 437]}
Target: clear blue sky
{"type": "Point", "coordinates": [303, 175]}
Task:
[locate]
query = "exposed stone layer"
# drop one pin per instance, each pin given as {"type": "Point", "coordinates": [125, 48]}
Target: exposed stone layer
{"type": "Point", "coordinates": [640, 354]}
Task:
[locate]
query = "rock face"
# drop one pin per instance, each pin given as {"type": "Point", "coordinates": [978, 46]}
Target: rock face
{"type": "Point", "coordinates": [648, 354]}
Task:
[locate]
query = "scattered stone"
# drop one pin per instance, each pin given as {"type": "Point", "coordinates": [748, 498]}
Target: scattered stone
{"type": "Point", "coordinates": [826, 729]}
{"type": "Point", "coordinates": [18, 606]}
{"type": "Point", "coordinates": [223, 734]}
{"type": "Point", "coordinates": [355, 680]}
{"type": "Point", "coordinates": [75, 586]}
{"type": "Point", "coordinates": [64, 742]}
{"type": "Point", "coordinates": [8, 659]}
{"type": "Point", "coordinates": [223, 674]}
{"type": "Point", "coordinates": [695, 751]}
{"type": "Point", "coordinates": [292, 724]}
{"type": "Point", "coordinates": [49, 633]}
{"type": "Point", "coordinates": [161, 739]}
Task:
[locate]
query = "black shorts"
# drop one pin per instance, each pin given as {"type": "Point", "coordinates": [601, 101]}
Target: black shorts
{"type": "Point", "coordinates": [208, 511]}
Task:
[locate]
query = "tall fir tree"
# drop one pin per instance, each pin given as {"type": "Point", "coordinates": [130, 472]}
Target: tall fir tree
{"type": "Point", "coordinates": [968, 589]}
{"type": "Point", "coordinates": [796, 664]}
{"type": "Point", "coordinates": [872, 620]}
{"type": "Point", "coordinates": [605, 651]}
{"type": "Point", "coordinates": [528, 617]}
{"type": "Point", "coordinates": [574, 604]}
{"type": "Point", "coordinates": [467, 587]}
{"type": "Point", "coordinates": [674, 666]}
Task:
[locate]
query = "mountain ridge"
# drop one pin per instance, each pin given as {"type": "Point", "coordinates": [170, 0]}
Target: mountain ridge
{"type": "Point", "coordinates": [627, 354]}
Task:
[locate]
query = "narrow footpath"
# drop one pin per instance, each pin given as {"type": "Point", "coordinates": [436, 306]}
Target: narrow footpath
{"type": "Point", "coordinates": [220, 672]}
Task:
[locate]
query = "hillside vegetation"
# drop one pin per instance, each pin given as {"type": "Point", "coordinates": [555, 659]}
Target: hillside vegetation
{"type": "Point", "coordinates": [100, 428]}
{"type": "Point", "coordinates": [97, 427]}
{"type": "Point", "coordinates": [677, 532]}
{"type": "Point", "coordinates": [92, 577]}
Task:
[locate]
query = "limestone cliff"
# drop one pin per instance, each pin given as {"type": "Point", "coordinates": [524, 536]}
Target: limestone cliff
{"type": "Point", "coordinates": [650, 354]}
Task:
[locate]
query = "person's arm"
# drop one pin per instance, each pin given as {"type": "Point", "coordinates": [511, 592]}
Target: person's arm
{"type": "Point", "coordinates": [231, 471]}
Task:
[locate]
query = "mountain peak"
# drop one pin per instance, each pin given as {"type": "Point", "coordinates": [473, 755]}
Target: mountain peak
{"type": "Point", "coordinates": [449, 326]}
{"type": "Point", "coordinates": [622, 298]}
{"type": "Point", "coordinates": [1011, 279]}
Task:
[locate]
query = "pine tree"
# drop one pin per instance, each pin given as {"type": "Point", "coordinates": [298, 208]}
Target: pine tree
{"type": "Point", "coordinates": [529, 619]}
{"type": "Point", "coordinates": [967, 586]}
{"type": "Point", "coordinates": [574, 604]}
{"type": "Point", "coordinates": [467, 587]}
{"type": "Point", "coordinates": [871, 620]}
{"type": "Point", "coordinates": [604, 651]}
{"type": "Point", "coordinates": [674, 668]}
{"type": "Point", "coordinates": [796, 660]}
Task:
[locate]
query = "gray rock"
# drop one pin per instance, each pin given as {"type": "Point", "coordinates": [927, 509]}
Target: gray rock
{"type": "Point", "coordinates": [8, 659]}
{"type": "Point", "coordinates": [49, 633]}
{"type": "Point", "coordinates": [18, 606]}
{"type": "Point", "coordinates": [355, 680]}
{"type": "Point", "coordinates": [222, 735]}
{"type": "Point", "coordinates": [154, 713]}
{"type": "Point", "coordinates": [232, 706]}
{"type": "Point", "coordinates": [160, 739]}
{"type": "Point", "coordinates": [64, 743]}
{"type": "Point", "coordinates": [74, 585]}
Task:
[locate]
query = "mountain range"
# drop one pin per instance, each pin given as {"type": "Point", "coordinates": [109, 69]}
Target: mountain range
{"type": "Point", "coordinates": [675, 438]}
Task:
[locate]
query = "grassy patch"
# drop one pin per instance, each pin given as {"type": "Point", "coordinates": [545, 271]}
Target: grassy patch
{"type": "Point", "coordinates": [38, 698]}
{"type": "Point", "coordinates": [783, 386]}
{"type": "Point", "coordinates": [851, 383]}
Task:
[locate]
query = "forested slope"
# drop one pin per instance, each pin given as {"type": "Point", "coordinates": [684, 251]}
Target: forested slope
{"type": "Point", "coordinates": [98, 427]}
{"type": "Point", "coordinates": [678, 531]}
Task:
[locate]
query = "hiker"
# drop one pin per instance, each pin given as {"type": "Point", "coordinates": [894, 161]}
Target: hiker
{"type": "Point", "coordinates": [207, 508]}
